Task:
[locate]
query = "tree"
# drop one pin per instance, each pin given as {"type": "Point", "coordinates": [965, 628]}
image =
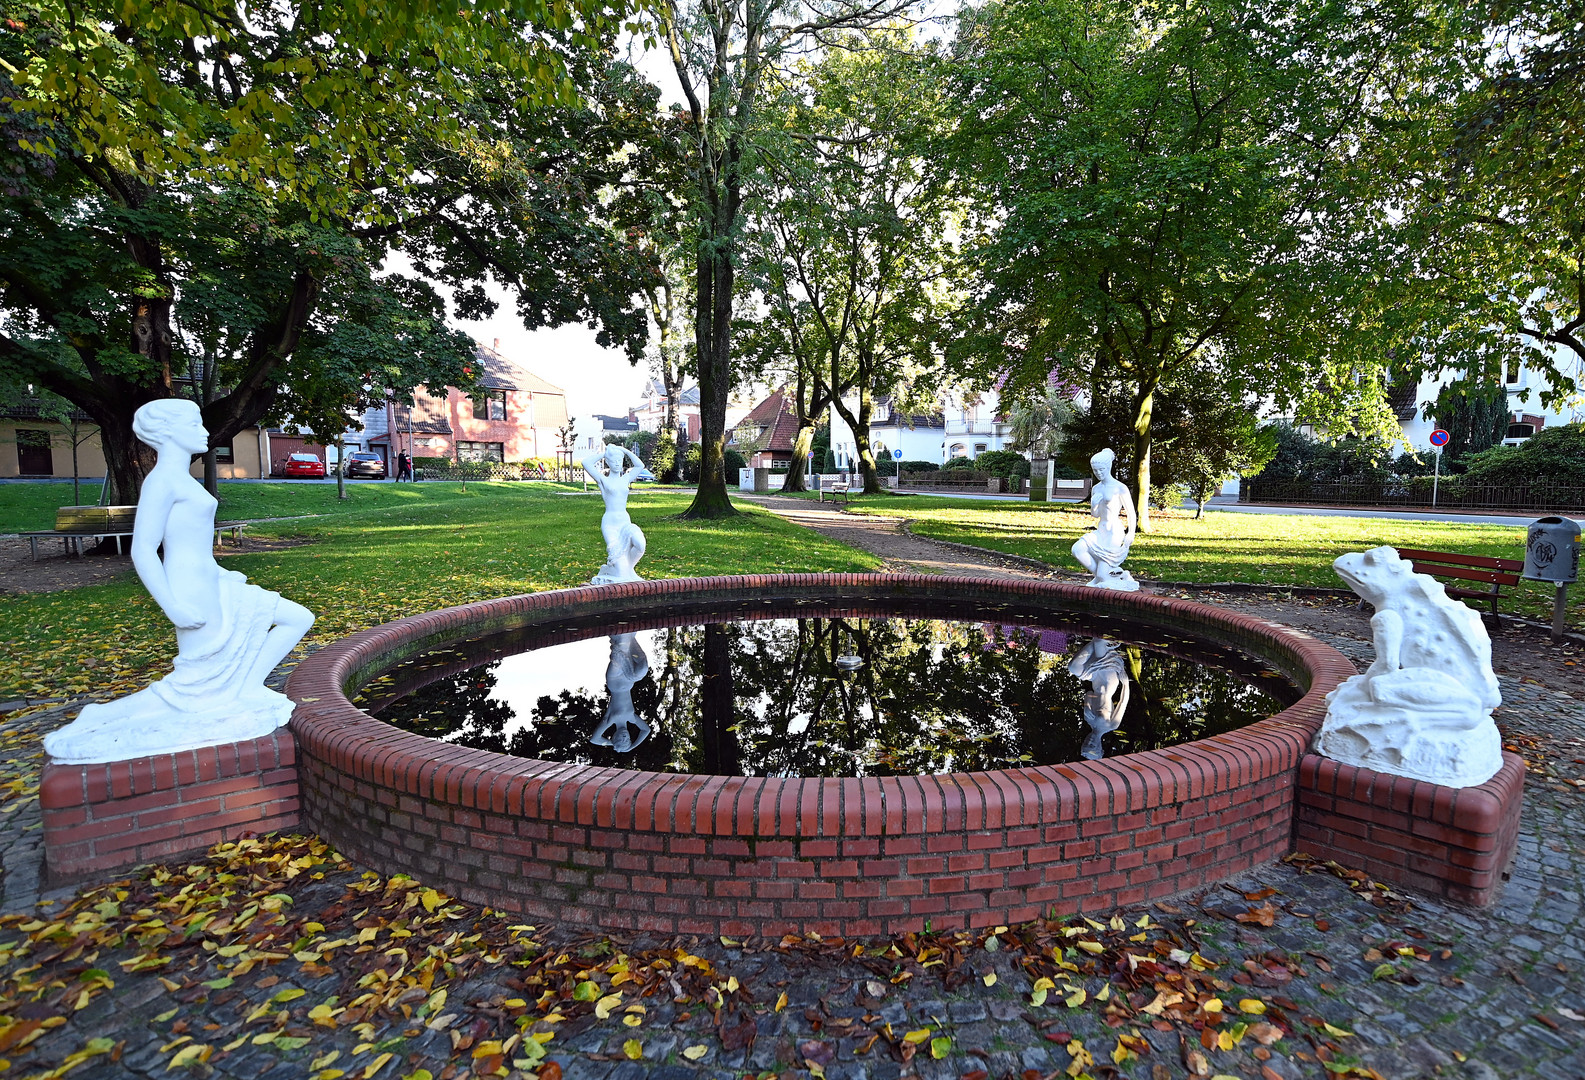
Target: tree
{"type": "Point", "coordinates": [854, 234]}
{"type": "Point", "coordinates": [1035, 424]}
{"type": "Point", "coordinates": [1169, 186]}
{"type": "Point", "coordinates": [225, 247]}
{"type": "Point", "coordinates": [723, 51]}
{"type": "Point", "coordinates": [1475, 417]}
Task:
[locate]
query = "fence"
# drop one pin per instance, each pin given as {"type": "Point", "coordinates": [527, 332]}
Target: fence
{"type": "Point", "coordinates": [480, 471]}
{"type": "Point", "coordinates": [1416, 492]}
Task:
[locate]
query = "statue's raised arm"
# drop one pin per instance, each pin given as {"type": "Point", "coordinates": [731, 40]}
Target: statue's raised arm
{"type": "Point", "coordinates": [624, 541]}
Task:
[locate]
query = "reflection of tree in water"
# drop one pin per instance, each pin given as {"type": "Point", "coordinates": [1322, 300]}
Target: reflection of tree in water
{"type": "Point", "coordinates": [765, 698]}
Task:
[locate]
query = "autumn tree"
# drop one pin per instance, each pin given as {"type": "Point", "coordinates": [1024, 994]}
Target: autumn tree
{"type": "Point", "coordinates": [1171, 184]}
{"type": "Point", "coordinates": [224, 185]}
{"type": "Point", "coordinates": [728, 55]}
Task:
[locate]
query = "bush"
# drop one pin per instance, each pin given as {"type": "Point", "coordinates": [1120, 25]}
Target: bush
{"type": "Point", "coordinates": [735, 463]}
{"type": "Point", "coordinates": [917, 466]}
{"type": "Point", "coordinates": [1007, 464]}
{"type": "Point", "coordinates": [431, 462]}
{"type": "Point", "coordinates": [957, 463]}
{"type": "Point", "coordinates": [1554, 455]}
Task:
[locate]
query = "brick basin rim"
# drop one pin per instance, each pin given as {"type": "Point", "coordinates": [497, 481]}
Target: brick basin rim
{"type": "Point", "coordinates": [346, 740]}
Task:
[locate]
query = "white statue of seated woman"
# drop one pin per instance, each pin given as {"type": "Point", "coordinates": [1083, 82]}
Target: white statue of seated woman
{"type": "Point", "coordinates": [622, 729]}
{"type": "Point", "coordinates": [1102, 550]}
{"type": "Point", "coordinates": [624, 541]}
{"type": "Point", "coordinates": [229, 634]}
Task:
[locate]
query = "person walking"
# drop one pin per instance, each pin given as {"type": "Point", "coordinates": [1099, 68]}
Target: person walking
{"type": "Point", "coordinates": [404, 467]}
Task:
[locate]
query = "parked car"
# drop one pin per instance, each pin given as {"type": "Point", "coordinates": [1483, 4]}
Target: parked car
{"type": "Point", "coordinates": [304, 465]}
{"type": "Point", "coordinates": [363, 463]}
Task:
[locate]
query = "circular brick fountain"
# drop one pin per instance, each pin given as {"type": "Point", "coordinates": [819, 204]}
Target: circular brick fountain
{"type": "Point", "coordinates": [670, 853]}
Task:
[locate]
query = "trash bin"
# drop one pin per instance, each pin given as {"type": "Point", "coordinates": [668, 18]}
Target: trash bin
{"type": "Point", "coordinates": [1551, 553]}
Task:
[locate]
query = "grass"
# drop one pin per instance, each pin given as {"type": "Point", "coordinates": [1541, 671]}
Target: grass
{"type": "Point", "coordinates": [386, 553]}
{"type": "Point", "coordinates": [1267, 549]}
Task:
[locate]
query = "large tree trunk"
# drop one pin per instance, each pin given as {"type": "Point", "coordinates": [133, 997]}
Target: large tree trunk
{"type": "Point", "coordinates": [796, 474]}
{"type": "Point", "coordinates": [713, 337]}
{"type": "Point", "coordinates": [861, 438]}
{"type": "Point", "coordinates": [127, 459]}
{"type": "Point", "coordinates": [1144, 404]}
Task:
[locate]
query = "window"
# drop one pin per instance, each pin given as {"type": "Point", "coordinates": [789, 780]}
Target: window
{"type": "Point", "coordinates": [225, 453]}
{"type": "Point", "coordinates": [480, 451]}
{"type": "Point", "coordinates": [489, 405]}
{"type": "Point", "coordinates": [33, 453]}
{"type": "Point", "coordinates": [979, 448]}
{"type": "Point", "coordinates": [1520, 431]}
{"type": "Point", "coordinates": [1511, 372]}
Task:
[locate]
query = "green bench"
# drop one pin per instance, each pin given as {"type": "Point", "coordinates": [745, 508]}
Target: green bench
{"type": "Point", "coordinates": [74, 525]}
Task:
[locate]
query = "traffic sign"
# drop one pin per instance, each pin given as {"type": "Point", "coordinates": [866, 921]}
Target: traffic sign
{"type": "Point", "coordinates": [1439, 437]}
{"type": "Point", "coordinates": [897, 455]}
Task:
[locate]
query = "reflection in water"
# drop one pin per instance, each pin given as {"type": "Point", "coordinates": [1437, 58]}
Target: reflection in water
{"type": "Point", "coordinates": [622, 729]}
{"type": "Point", "coordinates": [1106, 670]}
{"type": "Point", "coordinates": [778, 696]}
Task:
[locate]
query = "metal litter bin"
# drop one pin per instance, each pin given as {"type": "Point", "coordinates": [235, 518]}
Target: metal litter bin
{"type": "Point", "coordinates": [1551, 553]}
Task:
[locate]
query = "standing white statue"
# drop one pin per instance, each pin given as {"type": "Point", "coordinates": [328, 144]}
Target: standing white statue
{"type": "Point", "coordinates": [622, 729]}
{"type": "Point", "coordinates": [1102, 550]}
{"type": "Point", "coordinates": [229, 634]}
{"type": "Point", "coordinates": [1423, 708]}
{"type": "Point", "coordinates": [1106, 670]}
{"type": "Point", "coordinates": [624, 541]}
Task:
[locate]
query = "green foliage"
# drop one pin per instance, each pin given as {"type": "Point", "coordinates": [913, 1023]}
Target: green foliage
{"type": "Point", "coordinates": [734, 463]}
{"type": "Point", "coordinates": [1553, 455]}
{"type": "Point", "coordinates": [1474, 416]}
{"type": "Point", "coordinates": [1298, 457]}
{"type": "Point", "coordinates": [1036, 423]}
{"type": "Point", "coordinates": [917, 466]}
{"type": "Point", "coordinates": [956, 463]}
{"type": "Point", "coordinates": [1007, 464]}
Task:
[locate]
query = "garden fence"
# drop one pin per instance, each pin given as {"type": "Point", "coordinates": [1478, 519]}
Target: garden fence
{"type": "Point", "coordinates": [1416, 492]}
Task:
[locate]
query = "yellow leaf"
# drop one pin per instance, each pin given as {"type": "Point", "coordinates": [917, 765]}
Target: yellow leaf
{"type": "Point", "coordinates": [603, 1007]}
{"type": "Point", "coordinates": [377, 1064]}
{"type": "Point", "coordinates": [1075, 999]}
{"type": "Point", "coordinates": [430, 899]}
{"type": "Point", "coordinates": [189, 1054]}
{"type": "Point", "coordinates": [917, 1036]}
{"type": "Point", "coordinates": [632, 1021]}
{"type": "Point", "coordinates": [585, 991]}
{"type": "Point", "coordinates": [1039, 996]}
{"type": "Point", "coordinates": [1121, 1053]}
{"type": "Point", "coordinates": [633, 1049]}
{"type": "Point", "coordinates": [1224, 1040]}
{"type": "Point", "coordinates": [1252, 1005]}
{"type": "Point", "coordinates": [1212, 1005]}
{"type": "Point", "coordinates": [1092, 947]}
{"type": "Point", "coordinates": [732, 985]}
{"type": "Point", "coordinates": [514, 1003]}
{"type": "Point", "coordinates": [989, 980]}
{"type": "Point", "coordinates": [1339, 1032]}
{"type": "Point", "coordinates": [487, 1048]}
{"type": "Point", "coordinates": [324, 1060]}
{"type": "Point", "coordinates": [1044, 983]}
{"type": "Point", "coordinates": [1105, 992]}
{"type": "Point", "coordinates": [694, 1053]}
{"type": "Point", "coordinates": [729, 943]}
{"type": "Point", "coordinates": [781, 1001]}
{"type": "Point", "coordinates": [288, 995]}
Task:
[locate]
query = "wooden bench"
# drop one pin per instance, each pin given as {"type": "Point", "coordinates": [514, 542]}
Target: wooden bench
{"type": "Point", "coordinates": [76, 524]}
{"type": "Point", "coordinates": [834, 486]}
{"type": "Point", "coordinates": [1491, 572]}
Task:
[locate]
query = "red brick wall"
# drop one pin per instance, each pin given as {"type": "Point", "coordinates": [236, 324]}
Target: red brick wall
{"type": "Point", "coordinates": [1453, 842]}
{"type": "Point", "coordinates": [629, 850]}
{"type": "Point", "coordinates": [99, 819]}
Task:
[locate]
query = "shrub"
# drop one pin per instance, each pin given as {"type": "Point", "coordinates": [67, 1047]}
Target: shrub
{"type": "Point", "coordinates": [1554, 455]}
{"type": "Point", "coordinates": [431, 462]}
{"type": "Point", "coordinates": [1007, 464]}
{"type": "Point", "coordinates": [957, 463]}
{"type": "Point", "coordinates": [917, 466]}
{"type": "Point", "coordinates": [735, 462]}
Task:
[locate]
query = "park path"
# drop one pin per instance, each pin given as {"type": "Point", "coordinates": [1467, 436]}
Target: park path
{"type": "Point", "coordinates": [901, 550]}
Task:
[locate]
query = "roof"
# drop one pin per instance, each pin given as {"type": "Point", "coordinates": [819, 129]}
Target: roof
{"type": "Point", "coordinates": [421, 423]}
{"type": "Point", "coordinates": [911, 420]}
{"type": "Point", "coordinates": [33, 409]}
{"type": "Point", "coordinates": [500, 373]}
{"type": "Point", "coordinates": [654, 390]}
{"type": "Point", "coordinates": [616, 423]}
{"type": "Point", "coordinates": [770, 425]}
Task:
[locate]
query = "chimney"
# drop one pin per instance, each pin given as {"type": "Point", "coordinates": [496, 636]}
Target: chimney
{"type": "Point", "coordinates": [496, 347]}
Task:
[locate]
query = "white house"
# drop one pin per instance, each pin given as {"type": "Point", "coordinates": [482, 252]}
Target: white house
{"type": "Point", "coordinates": [974, 424]}
{"type": "Point", "coordinates": [920, 436]}
{"type": "Point", "coordinates": [1526, 414]}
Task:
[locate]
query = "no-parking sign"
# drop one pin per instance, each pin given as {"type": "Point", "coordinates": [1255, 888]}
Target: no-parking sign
{"type": "Point", "coordinates": [1439, 437]}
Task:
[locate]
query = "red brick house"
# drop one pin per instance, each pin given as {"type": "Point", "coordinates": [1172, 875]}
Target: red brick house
{"type": "Point", "coordinates": [765, 436]}
{"type": "Point", "coordinates": [513, 416]}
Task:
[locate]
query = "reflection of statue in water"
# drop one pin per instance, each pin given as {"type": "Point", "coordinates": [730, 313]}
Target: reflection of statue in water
{"type": "Point", "coordinates": [1102, 550]}
{"type": "Point", "coordinates": [621, 729]}
{"type": "Point", "coordinates": [1106, 670]}
{"type": "Point", "coordinates": [624, 541]}
{"type": "Point", "coordinates": [1423, 708]}
{"type": "Point", "coordinates": [229, 634]}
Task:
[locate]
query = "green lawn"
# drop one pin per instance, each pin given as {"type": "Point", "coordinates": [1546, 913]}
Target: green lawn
{"type": "Point", "coordinates": [1272, 549]}
{"type": "Point", "coordinates": [389, 552]}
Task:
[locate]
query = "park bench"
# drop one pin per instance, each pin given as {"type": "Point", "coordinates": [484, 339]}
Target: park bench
{"type": "Point", "coordinates": [835, 485]}
{"type": "Point", "coordinates": [1492, 572]}
{"type": "Point", "coordinates": [75, 525]}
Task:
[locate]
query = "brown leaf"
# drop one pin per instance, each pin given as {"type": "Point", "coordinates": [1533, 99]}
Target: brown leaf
{"type": "Point", "coordinates": [1268, 1073]}
{"type": "Point", "coordinates": [1160, 1072]}
{"type": "Point", "coordinates": [975, 1074]}
{"type": "Point", "coordinates": [1197, 1063]}
{"type": "Point", "coordinates": [816, 1051]}
{"type": "Point", "coordinates": [1264, 915]}
{"type": "Point", "coordinates": [1263, 1033]}
{"type": "Point", "coordinates": [1322, 925]}
{"type": "Point", "coordinates": [738, 1036]}
{"type": "Point", "coordinates": [550, 1071]}
{"type": "Point", "coordinates": [1208, 1038]}
{"type": "Point", "coordinates": [1261, 895]}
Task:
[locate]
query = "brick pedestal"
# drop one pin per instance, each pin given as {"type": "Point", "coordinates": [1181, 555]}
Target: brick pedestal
{"type": "Point", "coordinates": [99, 819]}
{"type": "Point", "coordinates": [1453, 842]}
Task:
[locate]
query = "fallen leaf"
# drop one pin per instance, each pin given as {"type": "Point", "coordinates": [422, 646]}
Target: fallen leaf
{"type": "Point", "coordinates": [633, 1049]}
{"type": "Point", "coordinates": [694, 1053]}
{"type": "Point", "coordinates": [990, 979]}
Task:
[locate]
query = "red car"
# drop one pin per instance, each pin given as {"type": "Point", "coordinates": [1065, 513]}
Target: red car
{"type": "Point", "coordinates": [304, 465]}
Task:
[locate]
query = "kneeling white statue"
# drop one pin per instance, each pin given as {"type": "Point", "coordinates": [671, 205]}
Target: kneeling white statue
{"type": "Point", "coordinates": [622, 729]}
{"type": "Point", "coordinates": [1106, 670]}
{"type": "Point", "coordinates": [1102, 550]}
{"type": "Point", "coordinates": [229, 634]}
{"type": "Point", "coordinates": [1423, 708]}
{"type": "Point", "coordinates": [624, 541]}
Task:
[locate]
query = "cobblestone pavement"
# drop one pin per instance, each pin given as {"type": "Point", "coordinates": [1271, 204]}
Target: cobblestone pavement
{"type": "Point", "coordinates": [1410, 987]}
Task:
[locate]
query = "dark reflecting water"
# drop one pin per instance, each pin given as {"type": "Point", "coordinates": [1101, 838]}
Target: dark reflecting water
{"type": "Point", "coordinates": [829, 696]}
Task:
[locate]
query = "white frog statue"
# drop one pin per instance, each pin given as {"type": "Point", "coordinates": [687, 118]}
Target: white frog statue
{"type": "Point", "coordinates": [1423, 708]}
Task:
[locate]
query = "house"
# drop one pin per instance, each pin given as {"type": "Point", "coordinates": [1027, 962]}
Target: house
{"type": "Point", "coordinates": [765, 436]}
{"type": "Point", "coordinates": [974, 425]}
{"type": "Point", "coordinates": [514, 415]}
{"type": "Point", "coordinates": [650, 415]}
{"type": "Point", "coordinates": [1526, 414]}
{"type": "Point", "coordinates": [35, 443]}
{"type": "Point", "coordinates": [920, 436]}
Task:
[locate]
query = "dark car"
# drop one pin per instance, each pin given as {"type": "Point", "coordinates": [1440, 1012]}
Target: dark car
{"type": "Point", "coordinates": [363, 463]}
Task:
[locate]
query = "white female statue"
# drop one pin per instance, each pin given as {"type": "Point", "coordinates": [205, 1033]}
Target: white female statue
{"type": "Point", "coordinates": [622, 729]}
{"type": "Point", "coordinates": [1106, 670]}
{"type": "Point", "coordinates": [229, 634]}
{"type": "Point", "coordinates": [1102, 550]}
{"type": "Point", "coordinates": [624, 541]}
